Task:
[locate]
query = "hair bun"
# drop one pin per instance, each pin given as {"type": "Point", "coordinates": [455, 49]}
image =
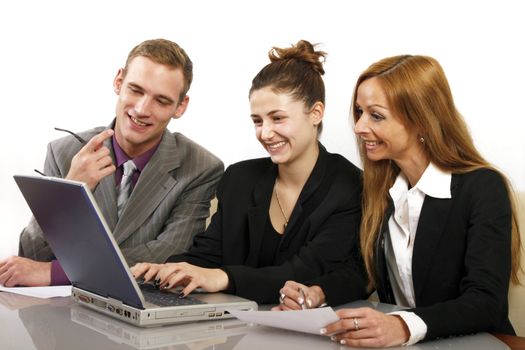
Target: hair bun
{"type": "Point", "coordinates": [303, 51]}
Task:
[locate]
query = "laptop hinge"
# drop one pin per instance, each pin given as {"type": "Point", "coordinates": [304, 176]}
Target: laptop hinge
{"type": "Point", "coordinates": [115, 302]}
{"type": "Point", "coordinates": [120, 303]}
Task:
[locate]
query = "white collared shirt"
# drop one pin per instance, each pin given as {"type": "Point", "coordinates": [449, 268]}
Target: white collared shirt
{"type": "Point", "coordinates": [399, 245]}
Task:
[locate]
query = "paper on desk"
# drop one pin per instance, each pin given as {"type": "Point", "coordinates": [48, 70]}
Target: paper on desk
{"type": "Point", "coordinates": [308, 321]}
{"type": "Point", "coordinates": [39, 292]}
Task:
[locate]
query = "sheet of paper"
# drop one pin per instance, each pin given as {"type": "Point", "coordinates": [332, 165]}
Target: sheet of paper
{"type": "Point", "coordinates": [308, 321]}
{"type": "Point", "coordinates": [39, 292]}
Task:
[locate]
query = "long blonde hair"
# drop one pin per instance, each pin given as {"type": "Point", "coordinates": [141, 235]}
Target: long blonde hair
{"type": "Point", "coordinates": [418, 93]}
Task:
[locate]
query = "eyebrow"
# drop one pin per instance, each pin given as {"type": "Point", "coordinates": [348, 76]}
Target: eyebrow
{"type": "Point", "coordinates": [373, 105]}
{"type": "Point", "coordinates": [272, 112]}
{"type": "Point", "coordinates": [163, 97]}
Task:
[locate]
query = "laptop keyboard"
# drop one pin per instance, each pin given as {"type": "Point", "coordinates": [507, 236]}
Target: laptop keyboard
{"type": "Point", "coordinates": [153, 295]}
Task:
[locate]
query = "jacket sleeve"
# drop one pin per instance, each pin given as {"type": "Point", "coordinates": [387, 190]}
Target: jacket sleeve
{"type": "Point", "coordinates": [206, 249]}
{"type": "Point", "coordinates": [32, 244]}
{"type": "Point", "coordinates": [345, 284]}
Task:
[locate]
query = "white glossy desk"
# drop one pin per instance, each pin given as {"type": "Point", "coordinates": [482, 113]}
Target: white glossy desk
{"type": "Point", "coordinates": [28, 323]}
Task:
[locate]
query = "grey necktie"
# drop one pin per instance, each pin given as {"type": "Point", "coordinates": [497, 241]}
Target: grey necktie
{"type": "Point", "coordinates": [125, 188]}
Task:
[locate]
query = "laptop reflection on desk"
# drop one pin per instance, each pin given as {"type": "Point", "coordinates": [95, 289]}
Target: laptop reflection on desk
{"type": "Point", "coordinates": [82, 242]}
{"type": "Point", "coordinates": [210, 333]}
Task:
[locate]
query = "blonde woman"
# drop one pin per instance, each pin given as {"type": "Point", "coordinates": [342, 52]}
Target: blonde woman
{"type": "Point", "coordinates": [439, 234]}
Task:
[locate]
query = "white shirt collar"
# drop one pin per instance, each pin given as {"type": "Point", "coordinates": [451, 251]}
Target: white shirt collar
{"type": "Point", "coordinates": [399, 188]}
{"type": "Point", "coordinates": [435, 182]}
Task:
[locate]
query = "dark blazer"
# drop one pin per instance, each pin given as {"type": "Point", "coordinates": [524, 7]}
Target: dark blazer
{"type": "Point", "coordinates": [168, 206]}
{"type": "Point", "coordinates": [461, 260]}
{"type": "Point", "coordinates": [321, 234]}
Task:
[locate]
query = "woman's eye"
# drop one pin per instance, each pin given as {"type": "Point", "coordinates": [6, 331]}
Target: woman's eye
{"type": "Point", "coordinates": [358, 111]}
{"type": "Point", "coordinates": [377, 116]}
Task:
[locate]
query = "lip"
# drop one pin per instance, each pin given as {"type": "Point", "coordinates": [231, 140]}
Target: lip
{"type": "Point", "coordinates": [371, 145]}
{"type": "Point", "coordinates": [275, 147]}
{"type": "Point", "coordinates": [134, 125]}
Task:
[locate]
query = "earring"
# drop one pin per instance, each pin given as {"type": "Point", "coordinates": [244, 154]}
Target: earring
{"type": "Point", "coordinates": [421, 139]}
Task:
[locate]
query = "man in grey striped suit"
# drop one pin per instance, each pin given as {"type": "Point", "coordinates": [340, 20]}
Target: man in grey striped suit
{"type": "Point", "coordinates": [172, 178]}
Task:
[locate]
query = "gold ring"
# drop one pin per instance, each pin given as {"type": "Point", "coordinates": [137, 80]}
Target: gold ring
{"type": "Point", "coordinates": [356, 324]}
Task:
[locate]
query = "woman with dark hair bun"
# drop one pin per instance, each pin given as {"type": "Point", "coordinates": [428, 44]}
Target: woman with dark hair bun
{"type": "Point", "coordinates": [293, 215]}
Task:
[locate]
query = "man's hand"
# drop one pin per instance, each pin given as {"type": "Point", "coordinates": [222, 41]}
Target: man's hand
{"type": "Point", "coordinates": [93, 162]}
{"type": "Point", "coordinates": [18, 271]}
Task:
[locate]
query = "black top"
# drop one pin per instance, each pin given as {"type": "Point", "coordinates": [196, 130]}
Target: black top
{"type": "Point", "coordinates": [322, 232]}
{"type": "Point", "coordinates": [269, 245]}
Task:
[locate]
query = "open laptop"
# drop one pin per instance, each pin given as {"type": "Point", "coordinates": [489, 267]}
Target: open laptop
{"type": "Point", "coordinates": [83, 244]}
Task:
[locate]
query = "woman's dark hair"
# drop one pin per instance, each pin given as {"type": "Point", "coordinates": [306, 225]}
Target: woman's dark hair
{"type": "Point", "coordinates": [296, 70]}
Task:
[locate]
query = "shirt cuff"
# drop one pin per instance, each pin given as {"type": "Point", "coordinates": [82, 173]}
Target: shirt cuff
{"type": "Point", "coordinates": [416, 326]}
{"type": "Point", "coordinates": [58, 276]}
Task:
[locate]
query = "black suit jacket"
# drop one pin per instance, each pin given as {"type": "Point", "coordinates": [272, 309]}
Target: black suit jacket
{"type": "Point", "coordinates": [322, 232]}
{"type": "Point", "coordinates": [461, 260]}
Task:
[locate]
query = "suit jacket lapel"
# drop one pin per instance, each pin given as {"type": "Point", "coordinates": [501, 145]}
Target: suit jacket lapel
{"type": "Point", "coordinates": [258, 214]}
{"type": "Point", "coordinates": [433, 218]}
{"type": "Point", "coordinates": [106, 194]}
{"type": "Point", "coordinates": [312, 184]}
{"type": "Point", "coordinates": [382, 281]}
{"type": "Point", "coordinates": [154, 183]}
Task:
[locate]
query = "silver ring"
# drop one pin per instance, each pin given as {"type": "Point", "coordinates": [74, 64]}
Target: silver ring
{"type": "Point", "coordinates": [281, 298]}
{"type": "Point", "coordinates": [356, 324]}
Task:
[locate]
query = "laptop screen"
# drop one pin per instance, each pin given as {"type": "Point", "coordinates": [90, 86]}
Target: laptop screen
{"type": "Point", "coordinates": [79, 237]}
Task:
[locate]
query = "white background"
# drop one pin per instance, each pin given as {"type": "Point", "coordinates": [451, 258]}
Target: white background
{"type": "Point", "coordinates": [58, 60]}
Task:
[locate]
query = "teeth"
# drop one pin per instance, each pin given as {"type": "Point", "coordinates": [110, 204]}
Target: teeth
{"type": "Point", "coordinates": [371, 143]}
{"type": "Point", "coordinates": [276, 145]}
{"type": "Point", "coordinates": [138, 122]}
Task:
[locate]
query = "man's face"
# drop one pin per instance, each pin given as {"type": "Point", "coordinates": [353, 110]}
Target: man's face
{"type": "Point", "coordinates": [148, 97]}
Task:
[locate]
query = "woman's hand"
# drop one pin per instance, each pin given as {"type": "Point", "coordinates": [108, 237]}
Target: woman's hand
{"type": "Point", "coordinates": [366, 327]}
{"type": "Point", "coordinates": [147, 271]}
{"type": "Point", "coordinates": [188, 276]}
{"type": "Point", "coordinates": [297, 296]}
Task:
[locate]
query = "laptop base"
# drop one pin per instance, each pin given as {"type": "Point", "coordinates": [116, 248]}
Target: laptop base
{"type": "Point", "coordinates": [157, 316]}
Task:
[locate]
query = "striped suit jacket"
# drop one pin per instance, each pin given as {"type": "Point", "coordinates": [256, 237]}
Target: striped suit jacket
{"type": "Point", "coordinates": [168, 206]}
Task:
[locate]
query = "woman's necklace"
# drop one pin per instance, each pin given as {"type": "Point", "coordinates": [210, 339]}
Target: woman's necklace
{"type": "Point", "coordinates": [280, 207]}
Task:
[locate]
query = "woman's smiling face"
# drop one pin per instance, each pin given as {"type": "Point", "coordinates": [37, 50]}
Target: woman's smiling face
{"type": "Point", "coordinates": [283, 125]}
